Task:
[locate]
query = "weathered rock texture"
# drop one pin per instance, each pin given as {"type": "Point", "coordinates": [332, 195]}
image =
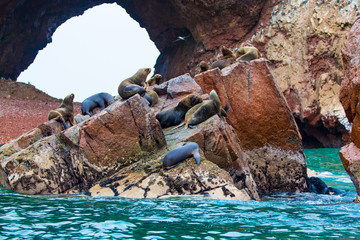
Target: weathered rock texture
{"type": "Point", "coordinates": [263, 122]}
{"type": "Point", "coordinates": [302, 39]}
{"type": "Point", "coordinates": [22, 108]}
{"type": "Point", "coordinates": [349, 96]}
{"type": "Point", "coordinates": [72, 159]}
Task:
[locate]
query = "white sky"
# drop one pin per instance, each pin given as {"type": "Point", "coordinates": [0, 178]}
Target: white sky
{"type": "Point", "coordinates": [92, 53]}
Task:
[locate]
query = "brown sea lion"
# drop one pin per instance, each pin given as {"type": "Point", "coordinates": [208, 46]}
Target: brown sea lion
{"type": "Point", "coordinates": [227, 53]}
{"type": "Point", "coordinates": [134, 84]}
{"type": "Point", "coordinates": [65, 113]}
{"type": "Point", "coordinates": [247, 53]}
{"type": "Point", "coordinates": [203, 111]}
{"type": "Point", "coordinates": [227, 59]}
{"type": "Point", "coordinates": [152, 97]}
{"type": "Point", "coordinates": [155, 80]}
{"type": "Point", "coordinates": [101, 100]}
{"type": "Point", "coordinates": [176, 115]}
{"type": "Point", "coordinates": [178, 155]}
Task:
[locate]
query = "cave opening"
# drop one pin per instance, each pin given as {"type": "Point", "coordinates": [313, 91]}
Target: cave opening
{"type": "Point", "coordinates": [319, 136]}
{"type": "Point", "coordinates": [91, 53]}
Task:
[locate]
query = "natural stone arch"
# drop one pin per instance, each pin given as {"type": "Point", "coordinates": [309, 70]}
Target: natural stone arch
{"type": "Point", "coordinates": [27, 26]}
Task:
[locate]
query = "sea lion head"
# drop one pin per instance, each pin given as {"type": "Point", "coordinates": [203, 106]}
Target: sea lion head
{"type": "Point", "coordinates": [158, 78]}
{"type": "Point", "coordinates": [190, 100]}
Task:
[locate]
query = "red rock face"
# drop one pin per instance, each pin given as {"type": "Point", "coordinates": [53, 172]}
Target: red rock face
{"type": "Point", "coordinates": [130, 130]}
{"type": "Point", "coordinates": [263, 122]}
{"type": "Point", "coordinates": [258, 111]}
{"type": "Point", "coordinates": [23, 107]}
{"type": "Point", "coordinates": [349, 96]}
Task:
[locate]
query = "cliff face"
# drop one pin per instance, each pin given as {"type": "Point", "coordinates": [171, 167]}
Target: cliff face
{"type": "Point", "coordinates": [302, 39]}
{"type": "Point", "coordinates": [349, 96]}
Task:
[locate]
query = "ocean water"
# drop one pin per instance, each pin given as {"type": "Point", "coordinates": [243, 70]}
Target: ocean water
{"type": "Point", "coordinates": [282, 216]}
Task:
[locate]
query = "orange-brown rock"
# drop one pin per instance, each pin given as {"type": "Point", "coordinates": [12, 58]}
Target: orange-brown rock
{"type": "Point", "coordinates": [121, 134]}
{"type": "Point", "coordinates": [349, 97]}
{"type": "Point", "coordinates": [263, 122]}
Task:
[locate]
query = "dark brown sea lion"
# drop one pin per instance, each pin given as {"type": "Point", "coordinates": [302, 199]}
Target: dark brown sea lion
{"type": "Point", "coordinates": [65, 113]}
{"type": "Point", "coordinates": [101, 100]}
{"type": "Point", "coordinates": [133, 85]}
{"type": "Point", "coordinates": [177, 155]}
{"type": "Point", "coordinates": [203, 111]}
{"type": "Point", "coordinates": [176, 115]}
{"type": "Point", "coordinates": [247, 53]}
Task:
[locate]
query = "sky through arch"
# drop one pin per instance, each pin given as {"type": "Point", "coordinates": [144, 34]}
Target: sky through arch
{"type": "Point", "coordinates": [91, 53]}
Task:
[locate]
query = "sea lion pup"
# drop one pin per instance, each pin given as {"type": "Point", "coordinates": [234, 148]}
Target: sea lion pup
{"type": "Point", "coordinates": [65, 113]}
{"type": "Point", "coordinates": [152, 97]}
{"type": "Point", "coordinates": [176, 115]}
{"type": "Point", "coordinates": [101, 100]}
{"type": "Point", "coordinates": [155, 80]}
{"type": "Point", "coordinates": [203, 111]}
{"type": "Point", "coordinates": [177, 155]}
{"type": "Point", "coordinates": [134, 84]}
{"type": "Point", "coordinates": [204, 66]}
{"type": "Point", "coordinates": [247, 53]}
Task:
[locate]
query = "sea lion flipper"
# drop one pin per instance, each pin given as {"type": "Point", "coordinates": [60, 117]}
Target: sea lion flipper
{"type": "Point", "coordinates": [197, 157]}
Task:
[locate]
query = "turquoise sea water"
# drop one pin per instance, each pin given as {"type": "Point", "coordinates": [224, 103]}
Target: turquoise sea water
{"type": "Point", "coordinates": [284, 216]}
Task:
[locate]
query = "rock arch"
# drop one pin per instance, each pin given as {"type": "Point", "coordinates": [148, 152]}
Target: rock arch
{"type": "Point", "coordinates": [27, 26]}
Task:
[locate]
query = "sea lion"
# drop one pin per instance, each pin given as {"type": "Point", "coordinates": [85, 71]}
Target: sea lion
{"type": "Point", "coordinates": [227, 53]}
{"type": "Point", "coordinates": [177, 155]}
{"type": "Point", "coordinates": [65, 113]}
{"type": "Point", "coordinates": [176, 115]}
{"type": "Point", "coordinates": [247, 53]}
{"type": "Point", "coordinates": [155, 80]}
{"type": "Point", "coordinates": [152, 97]}
{"type": "Point", "coordinates": [101, 100]}
{"type": "Point", "coordinates": [203, 111]}
{"type": "Point", "coordinates": [134, 84]}
{"type": "Point", "coordinates": [227, 59]}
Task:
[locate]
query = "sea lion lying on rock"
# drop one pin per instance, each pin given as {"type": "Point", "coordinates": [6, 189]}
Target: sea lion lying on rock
{"type": "Point", "coordinates": [134, 84]}
{"type": "Point", "coordinates": [247, 53]}
{"type": "Point", "coordinates": [203, 111]}
{"type": "Point", "coordinates": [65, 113]}
{"type": "Point", "coordinates": [178, 155]}
{"type": "Point", "coordinates": [176, 115]}
{"type": "Point", "coordinates": [227, 59]}
{"type": "Point", "coordinates": [101, 100]}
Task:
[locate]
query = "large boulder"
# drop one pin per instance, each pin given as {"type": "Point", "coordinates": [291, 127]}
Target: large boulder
{"type": "Point", "coordinates": [349, 97]}
{"type": "Point", "coordinates": [72, 159]}
{"type": "Point", "coordinates": [263, 122]}
{"type": "Point", "coordinates": [223, 172]}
